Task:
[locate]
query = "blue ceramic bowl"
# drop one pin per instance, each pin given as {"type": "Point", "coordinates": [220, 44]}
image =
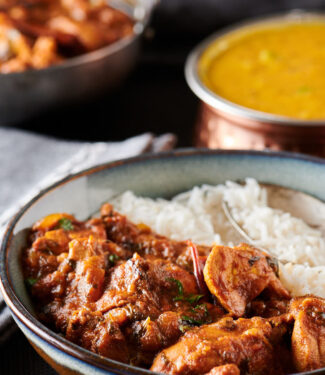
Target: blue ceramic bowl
{"type": "Point", "coordinates": [160, 175]}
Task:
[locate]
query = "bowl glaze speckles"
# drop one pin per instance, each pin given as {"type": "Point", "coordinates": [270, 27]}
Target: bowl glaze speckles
{"type": "Point", "coordinates": [159, 175]}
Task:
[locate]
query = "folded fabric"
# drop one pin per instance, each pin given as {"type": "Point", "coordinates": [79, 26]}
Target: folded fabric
{"type": "Point", "coordinates": [30, 162]}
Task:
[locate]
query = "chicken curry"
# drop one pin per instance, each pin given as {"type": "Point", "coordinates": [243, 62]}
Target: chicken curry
{"type": "Point", "coordinates": [129, 294]}
{"type": "Point", "coordinates": [35, 34]}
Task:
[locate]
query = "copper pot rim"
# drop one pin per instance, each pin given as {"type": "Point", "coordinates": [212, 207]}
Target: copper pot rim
{"type": "Point", "coordinates": [221, 104]}
{"type": "Point", "coordinates": [311, 131]}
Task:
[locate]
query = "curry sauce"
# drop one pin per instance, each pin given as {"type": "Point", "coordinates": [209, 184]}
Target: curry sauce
{"type": "Point", "coordinates": [124, 292]}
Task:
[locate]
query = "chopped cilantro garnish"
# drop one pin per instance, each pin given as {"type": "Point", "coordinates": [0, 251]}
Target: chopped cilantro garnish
{"type": "Point", "coordinates": [65, 224]}
{"type": "Point", "coordinates": [178, 298]}
{"type": "Point", "coordinates": [201, 316]}
{"type": "Point", "coordinates": [191, 298]}
{"type": "Point", "coordinates": [179, 287]}
{"type": "Point", "coordinates": [30, 281]}
{"type": "Point", "coordinates": [194, 298]}
{"type": "Point", "coordinates": [203, 307]}
{"type": "Point", "coordinates": [113, 258]}
{"type": "Point", "coordinates": [191, 321]}
{"type": "Point", "coordinates": [184, 327]}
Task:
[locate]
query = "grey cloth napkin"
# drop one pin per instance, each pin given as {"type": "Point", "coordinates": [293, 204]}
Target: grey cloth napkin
{"type": "Point", "coordinates": [30, 162]}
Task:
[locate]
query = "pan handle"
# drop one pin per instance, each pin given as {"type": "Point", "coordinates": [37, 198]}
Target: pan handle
{"type": "Point", "coordinates": [139, 10]}
{"type": "Point", "coordinates": [143, 10]}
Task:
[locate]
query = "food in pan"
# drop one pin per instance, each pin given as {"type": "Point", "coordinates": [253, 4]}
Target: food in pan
{"type": "Point", "coordinates": [178, 306]}
{"type": "Point", "coordinates": [35, 34]}
{"type": "Point", "coordinates": [275, 67]}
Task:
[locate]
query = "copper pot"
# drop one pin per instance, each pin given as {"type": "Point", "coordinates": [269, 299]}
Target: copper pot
{"type": "Point", "coordinates": [226, 125]}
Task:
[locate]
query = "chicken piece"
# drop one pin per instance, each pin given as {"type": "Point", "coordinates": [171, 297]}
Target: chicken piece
{"type": "Point", "coordinates": [267, 308]}
{"type": "Point", "coordinates": [49, 287]}
{"type": "Point", "coordinates": [97, 227]}
{"type": "Point", "coordinates": [140, 281]}
{"type": "Point", "coordinates": [15, 50]}
{"type": "Point", "coordinates": [155, 300]}
{"type": "Point", "coordinates": [52, 221]}
{"type": "Point", "coordinates": [246, 343]}
{"type": "Point", "coordinates": [141, 296]}
{"type": "Point", "coordinates": [225, 370]}
{"type": "Point", "coordinates": [308, 336]}
{"type": "Point", "coordinates": [97, 333]}
{"type": "Point", "coordinates": [77, 283]}
{"type": "Point", "coordinates": [86, 32]}
{"type": "Point", "coordinates": [90, 274]}
{"type": "Point", "coordinates": [39, 260]}
{"type": "Point", "coordinates": [77, 9]}
{"type": "Point", "coordinates": [13, 65]}
{"type": "Point", "coordinates": [149, 336]}
{"type": "Point", "coordinates": [168, 323]}
{"type": "Point", "coordinates": [238, 275]}
{"type": "Point", "coordinates": [55, 231]}
{"type": "Point", "coordinates": [82, 277]}
{"type": "Point", "coordinates": [91, 259]}
{"type": "Point", "coordinates": [61, 234]}
{"type": "Point", "coordinates": [44, 52]}
{"type": "Point", "coordinates": [58, 236]}
{"type": "Point", "coordinates": [141, 239]}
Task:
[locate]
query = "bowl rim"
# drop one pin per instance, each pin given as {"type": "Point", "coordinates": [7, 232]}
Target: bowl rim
{"type": "Point", "coordinates": [98, 54]}
{"type": "Point", "coordinates": [223, 105]}
{"type": "Point", "coordinates": [50, 337]}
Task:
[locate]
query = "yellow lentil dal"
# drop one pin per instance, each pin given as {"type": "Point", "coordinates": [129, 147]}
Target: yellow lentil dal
{"type": "Point", "coordinates": [275, 68]}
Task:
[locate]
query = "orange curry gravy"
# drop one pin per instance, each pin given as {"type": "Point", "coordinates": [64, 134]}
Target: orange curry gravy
{"type": "Point", "coordinates": [35, 34]}
{"type": "Point", "coordinates": [124, 292]}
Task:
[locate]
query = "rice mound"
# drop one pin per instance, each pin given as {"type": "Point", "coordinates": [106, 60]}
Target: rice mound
{"type": "Point", "coordinates": [197, 215]}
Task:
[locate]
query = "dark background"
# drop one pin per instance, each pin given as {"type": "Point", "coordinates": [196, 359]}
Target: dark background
{"type": "Point", "coordinates": [154, 98]}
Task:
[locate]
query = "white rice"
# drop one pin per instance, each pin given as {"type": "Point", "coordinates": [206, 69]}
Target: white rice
{"type": "Point", "coordinates": [197, 215]}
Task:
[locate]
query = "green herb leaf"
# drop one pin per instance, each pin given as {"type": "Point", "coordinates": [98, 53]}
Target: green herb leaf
{"type": "Point", "coordinates": [191, 321]}
{"type": "Point", "coordinates": [184, 327]}
{"type": "Point", "coordinates": [113, 258]}
{"type": "Point", "coordinates": [194, 298]}
{"type": "Point", "coordinates": [203, 307]}
{"type": "Point", "coordinates": [65, 224]}
{"type": "Point", "coordinates": [178, 298]}
{"type": "Point", "coordinates": [30, 281]}
{"type": "Point", "coordinates": [191, 298]}
{"type": "Point", "coordinates": [179, 287]}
